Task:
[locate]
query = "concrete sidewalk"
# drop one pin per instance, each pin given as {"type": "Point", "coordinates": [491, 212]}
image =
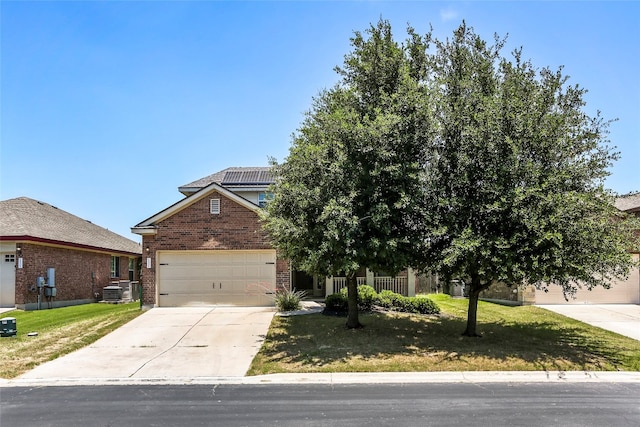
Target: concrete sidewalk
{"type": "Point", "coordinates": [623, 319]}
{"type": "Point", "coordinates": [169, 343]}
{"type": "Point", "coordinates": [350, 378]}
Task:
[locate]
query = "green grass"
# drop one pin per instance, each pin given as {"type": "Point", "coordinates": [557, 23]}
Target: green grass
{"type": "Point", "coordinates": [521, 338]}
{"type": "Point", "coordinates": [60, 331]}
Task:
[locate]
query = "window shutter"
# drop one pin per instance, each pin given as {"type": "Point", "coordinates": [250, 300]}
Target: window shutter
{"type": "Point", "coordinates": [214, 205]}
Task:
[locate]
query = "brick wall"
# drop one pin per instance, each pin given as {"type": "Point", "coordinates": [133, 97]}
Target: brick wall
{"type": "Point", "coordinates": [195, 228]}
{"type": "Point", "coordinates": [73, 270]}
{"type": "Point", "coordinates": [500, 291]}
{"type": "Point", "coordinates": [283, 277]}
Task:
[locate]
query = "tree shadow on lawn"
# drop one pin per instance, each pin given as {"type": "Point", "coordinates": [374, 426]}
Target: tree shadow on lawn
{"type": "Point", "coordinates": [400, 342]}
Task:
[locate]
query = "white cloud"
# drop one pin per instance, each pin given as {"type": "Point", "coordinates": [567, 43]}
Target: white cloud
{"type": "Point", "coordinates": [448, 14]}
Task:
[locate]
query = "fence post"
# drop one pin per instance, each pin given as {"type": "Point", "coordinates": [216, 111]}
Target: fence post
{"type": "Point", "coordinates": [411, 282]}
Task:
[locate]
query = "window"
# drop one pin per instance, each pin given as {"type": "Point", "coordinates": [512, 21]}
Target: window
{"type": "Point", "coordinates": [264, 198]}
{"type": "Point", "coordinates": [132, 267]}
{"type": "Point", "coordinates": [115, 266]}
{"type": "Point", "coordinates": [214, 206]}
{"type": "Point", "coordinates": [10, 258]}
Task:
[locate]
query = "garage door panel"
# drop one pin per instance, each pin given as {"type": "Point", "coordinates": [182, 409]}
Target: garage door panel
{"type": "Point", "coordinates": [184, 300]}
{"type": "Point", "coordinates": [245, 278]}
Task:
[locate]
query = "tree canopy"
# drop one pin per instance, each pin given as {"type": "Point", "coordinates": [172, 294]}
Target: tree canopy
{"type": "Point", "coordinates": [447, 156]}
{"type": "Point", "coordinates": [516, 188]}
{"type": "Point", "coordinates": [346, 195]}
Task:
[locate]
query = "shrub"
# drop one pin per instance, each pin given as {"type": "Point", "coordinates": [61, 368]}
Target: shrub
{"type": "Point", "coordinates": [367, 296]}
{"type": "Point", "coordinates": [403, 304]}
{"type": "Point", "coordinates": [386, 298]}
{"type": "Point", "coordinates": [336, 303]}
{"type": "Point", "coordinates": [289, 299]}
{"type": "Point", "coordinates": [396, 302]}
{"type": "Point", "coordinates": [424, 305]}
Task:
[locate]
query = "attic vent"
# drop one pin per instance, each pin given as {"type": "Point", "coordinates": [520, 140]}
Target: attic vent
{"type": "Point", "coordinates": [214, 206]}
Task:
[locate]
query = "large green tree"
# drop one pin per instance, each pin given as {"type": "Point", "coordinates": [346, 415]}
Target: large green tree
{"type": "Point", "coordinates": [347, 196]}
{"type": "Point", "coordinates": [516, 188]}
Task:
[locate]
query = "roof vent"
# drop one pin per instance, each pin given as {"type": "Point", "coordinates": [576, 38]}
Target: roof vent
{"type": "Point", "coordinates": [214, 206]}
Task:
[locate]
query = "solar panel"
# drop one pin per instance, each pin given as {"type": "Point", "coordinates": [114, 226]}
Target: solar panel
{"type": "Point", "coordinates": [247, 177]}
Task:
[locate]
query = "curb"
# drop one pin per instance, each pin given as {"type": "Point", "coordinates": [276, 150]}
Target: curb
{"type": "Point", "coordinates": [352, 378]}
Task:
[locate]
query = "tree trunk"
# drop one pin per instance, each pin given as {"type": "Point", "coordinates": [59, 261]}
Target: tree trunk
{"type": "Point", "coordinates": [474, 293]}
{"type": "Point", "coordinates": [352, 315]}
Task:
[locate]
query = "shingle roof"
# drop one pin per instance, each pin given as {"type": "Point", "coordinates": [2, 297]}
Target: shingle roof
{"type": "Point", "coordinates": [22, 217]}
{"type": "Point", "coordinates": [234, 176]}
{"type": "Point", "coordinates": [628, 203]}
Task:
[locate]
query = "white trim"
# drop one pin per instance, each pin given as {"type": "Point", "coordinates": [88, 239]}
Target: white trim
{"type": "Point", "coordinates": [144, 231]}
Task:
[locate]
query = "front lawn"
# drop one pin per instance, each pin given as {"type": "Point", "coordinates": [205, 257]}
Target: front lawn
{"type": "Point", "coordinates": [521, 338]}
{"type": "Point", "coordinates": [59, 331]}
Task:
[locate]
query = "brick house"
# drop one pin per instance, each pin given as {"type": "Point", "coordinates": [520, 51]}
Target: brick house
{"type": "Point", "coordinates": [209, 248]}
{"type": "Point", "coordinates": [38, 240]}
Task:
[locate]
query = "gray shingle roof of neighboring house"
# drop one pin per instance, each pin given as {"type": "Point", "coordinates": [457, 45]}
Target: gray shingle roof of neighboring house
{"type": "Point", "coordinates": [232, 177]}
{"type": "Point", "coordinates": [27, 219]}
{"type": "Point", "coordinates": [628, 203]}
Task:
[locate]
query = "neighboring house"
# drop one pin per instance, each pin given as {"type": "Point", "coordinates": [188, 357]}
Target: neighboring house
{"type": "Point", "coordinates": [210, 248]}
{"type": "Point", "coordinates": [629, 203]}
{"type": "Point", "coordinates": [41, 243]}
{"type": "Point", "coordinates": [621, 292]}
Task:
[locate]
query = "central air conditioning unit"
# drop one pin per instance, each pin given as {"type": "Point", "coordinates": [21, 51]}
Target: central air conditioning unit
{"type": "Point", "coordinates": [112, 293]}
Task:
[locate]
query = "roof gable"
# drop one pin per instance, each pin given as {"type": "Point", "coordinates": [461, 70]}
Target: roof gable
{"type": "Point", "coordinates": [148, 225]}
{"type": "Point", "coordinates": [23, 218]}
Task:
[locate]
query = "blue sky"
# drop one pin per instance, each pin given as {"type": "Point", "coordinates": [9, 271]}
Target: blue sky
{"type": "Point", "coordinates": [108, 107]}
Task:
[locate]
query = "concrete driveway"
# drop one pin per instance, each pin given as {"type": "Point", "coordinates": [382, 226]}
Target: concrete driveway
{"type": "Point", "coordinates": [169, 343]}
{"type": "Point", "coordinates": [623, 319]}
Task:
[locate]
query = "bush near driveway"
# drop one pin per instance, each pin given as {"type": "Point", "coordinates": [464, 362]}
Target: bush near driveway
{"type": "Point", "coordinates": [289, 299]}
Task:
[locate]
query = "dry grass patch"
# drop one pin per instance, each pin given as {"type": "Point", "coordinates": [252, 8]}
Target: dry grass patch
{"type": "Point", "coordinates": [514, 339]}
{"type": "Point", "coordinates": [60, 331]}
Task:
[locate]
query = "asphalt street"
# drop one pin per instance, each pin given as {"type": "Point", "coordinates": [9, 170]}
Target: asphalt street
{"type": "Point", "coordinates": [470, 404]}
